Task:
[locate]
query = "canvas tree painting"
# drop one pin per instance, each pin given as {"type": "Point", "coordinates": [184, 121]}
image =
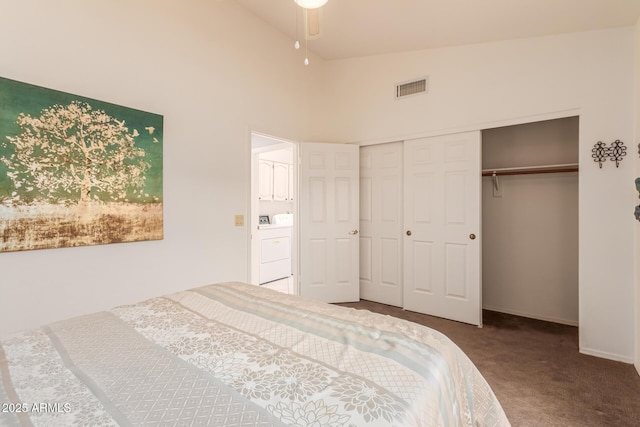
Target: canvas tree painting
{"type": "Point", "coordinates": [76, 171]}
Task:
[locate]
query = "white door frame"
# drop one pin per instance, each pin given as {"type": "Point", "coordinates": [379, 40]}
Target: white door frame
{"type": "Point", "coordinates": [253, 253]}
{"type": "Point", "coordinates": [480, 127]}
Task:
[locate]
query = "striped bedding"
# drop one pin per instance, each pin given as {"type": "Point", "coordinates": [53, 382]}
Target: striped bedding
{"type": "Point", "coordinates": [233, 354]}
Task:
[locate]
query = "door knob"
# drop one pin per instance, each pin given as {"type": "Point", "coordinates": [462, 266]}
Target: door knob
{"type": "Point", "coordinates": [472, 236]}
{"type": "Point", "coordinates": [353, 232]}
{"type": "Point", "coordinates": [408, 232]}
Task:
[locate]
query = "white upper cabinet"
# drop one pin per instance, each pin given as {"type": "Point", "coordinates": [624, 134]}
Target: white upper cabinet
{"type": "Point", "coordinates": [291, 191]}
{"type": "Point", "coordinates": [275, 181]}
{"type": "Point", "coordinates": [280, 181]}
{"type": "Point", "coordinates": [265, 185]}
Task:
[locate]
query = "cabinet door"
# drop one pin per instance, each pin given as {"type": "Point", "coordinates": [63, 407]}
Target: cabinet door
{"type": "Point", "coordinates": [291, 191]}
{"type": "Point", "coordinates": [280, 181]}
{"type": "Point", "coordinates": [265, 185]}
{"type": "Point", "coordinates": [275, 254]}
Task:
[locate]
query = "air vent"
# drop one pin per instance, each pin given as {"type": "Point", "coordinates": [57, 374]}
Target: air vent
{"type": "Point", "coordinates": [411, 88]}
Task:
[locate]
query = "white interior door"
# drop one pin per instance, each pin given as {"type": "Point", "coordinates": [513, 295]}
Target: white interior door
{"type": "Point", "coordinates": [442, 224]}
{"type": "Point", "coordinates": [329, 204]}
{"type": "Point", "coordinates": [381, 223]}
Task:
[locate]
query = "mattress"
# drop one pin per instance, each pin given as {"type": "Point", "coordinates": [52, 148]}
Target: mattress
{"type": "Point", "coordinates": [234, 354]}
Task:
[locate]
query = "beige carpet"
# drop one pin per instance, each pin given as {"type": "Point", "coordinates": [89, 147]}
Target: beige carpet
{"type": "Point", "coordinates": [536, 371]}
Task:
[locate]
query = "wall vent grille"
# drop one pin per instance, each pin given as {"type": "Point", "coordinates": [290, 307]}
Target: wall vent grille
{"type": "Point", "coordinates": [413, 87]}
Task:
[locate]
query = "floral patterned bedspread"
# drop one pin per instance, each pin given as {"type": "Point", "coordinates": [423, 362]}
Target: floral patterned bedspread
{"type": "Point", "coordinates": [234, 354]}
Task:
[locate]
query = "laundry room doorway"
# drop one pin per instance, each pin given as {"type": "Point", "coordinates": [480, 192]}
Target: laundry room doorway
{"type": "Point", "coordinates": [273, 219]}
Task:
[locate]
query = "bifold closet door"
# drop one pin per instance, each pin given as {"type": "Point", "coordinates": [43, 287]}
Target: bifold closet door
{"type": "Point", "coordinates": [381, 223]}
{"type": "Point", "coordinates": [442, 187]}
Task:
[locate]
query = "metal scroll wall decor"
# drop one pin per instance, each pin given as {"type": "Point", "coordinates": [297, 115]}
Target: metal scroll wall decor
{"type": "Point", "coordinates": [637, 210]}
{"type": "Point", "coordinates": [617, 151]}
{"type": "Point", "coordinates": [600, 152]}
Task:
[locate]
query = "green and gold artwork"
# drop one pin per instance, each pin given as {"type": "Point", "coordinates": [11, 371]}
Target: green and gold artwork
{"type": "Point", "coordinates": [75, 171]}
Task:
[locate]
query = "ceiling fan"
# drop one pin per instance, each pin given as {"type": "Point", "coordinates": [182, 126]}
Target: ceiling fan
{"type": "Point", "coordinates": [310, 4]}
{"type": "Point", "coordinates": [312, 14]}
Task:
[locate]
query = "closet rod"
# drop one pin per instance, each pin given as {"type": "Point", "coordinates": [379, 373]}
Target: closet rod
{"type": "Point", "coordinates": [569, 167]}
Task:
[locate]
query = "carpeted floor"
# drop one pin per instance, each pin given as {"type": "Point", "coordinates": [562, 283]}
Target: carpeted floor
{"type": "Point", "coordinates": [536, 371]}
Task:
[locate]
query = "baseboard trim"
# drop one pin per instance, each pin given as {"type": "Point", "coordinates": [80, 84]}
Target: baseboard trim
{"type": "Point", "coordinates": [606, 355]}
{"type": "Point", "coordinates": [531, 316]}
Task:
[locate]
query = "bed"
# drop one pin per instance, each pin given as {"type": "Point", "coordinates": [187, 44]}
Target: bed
{"type": "Point", "coordinates": [234, 354]}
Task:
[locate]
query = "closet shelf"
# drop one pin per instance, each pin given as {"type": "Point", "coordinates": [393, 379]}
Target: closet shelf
{"type": "Point", "coordinates": [569, 167]}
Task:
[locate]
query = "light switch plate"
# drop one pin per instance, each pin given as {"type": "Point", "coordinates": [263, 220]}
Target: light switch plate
{"type": "Point", "coordinates": [238, 220]}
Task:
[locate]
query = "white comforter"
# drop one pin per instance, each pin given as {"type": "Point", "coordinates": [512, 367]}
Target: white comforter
{"type": "Point", "coordinates": [238, 355]}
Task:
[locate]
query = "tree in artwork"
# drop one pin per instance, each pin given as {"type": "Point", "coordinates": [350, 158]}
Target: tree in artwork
{"type": "Point", "coordinates": [74, 154]}
{"type": "Point", "coordinates": [76, 171]}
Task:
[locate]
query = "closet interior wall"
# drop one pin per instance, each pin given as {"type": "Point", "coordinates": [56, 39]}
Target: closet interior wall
{"type": "Point", "coordinates": [530, 222]}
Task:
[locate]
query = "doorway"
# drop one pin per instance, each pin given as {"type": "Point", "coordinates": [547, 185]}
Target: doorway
{"type": "Point", "coordinates": [529, 232]}
{"type": "Point", "coordinates": [273, 219]}
{"type": "Point", "coordinates": [530, 220]}
{"type": "Point", "coordinates": [420, 215]}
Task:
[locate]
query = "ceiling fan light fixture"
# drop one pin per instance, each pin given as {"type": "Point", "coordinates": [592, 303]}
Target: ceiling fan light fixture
{"type": "Point", "coordinates": [310, 4]}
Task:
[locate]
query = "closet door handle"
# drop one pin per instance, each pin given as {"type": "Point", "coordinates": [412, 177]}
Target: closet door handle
{"type": "Point", "coordinates": [472, 236]}
{"type": "Point", "coordinates": [408, 232]}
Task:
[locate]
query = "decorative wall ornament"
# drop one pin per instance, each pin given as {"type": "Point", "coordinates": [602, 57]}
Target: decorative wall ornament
{"type": "Point", "coordinates": [637, 210]}
{"type": "Point", "coordinates": [617, 151]}
{"type": "Point", "coordinates": [600, 152]}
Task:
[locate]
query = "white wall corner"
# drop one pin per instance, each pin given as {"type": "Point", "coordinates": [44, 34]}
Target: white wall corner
{"type": "Point", "coordinates": [636, 156]}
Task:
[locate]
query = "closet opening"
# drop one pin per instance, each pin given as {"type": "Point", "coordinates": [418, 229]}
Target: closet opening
{"type": "Point", "coordinates": [530, 220]}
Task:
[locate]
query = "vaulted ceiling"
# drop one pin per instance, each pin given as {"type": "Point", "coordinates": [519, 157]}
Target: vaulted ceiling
{"type": "Point", "coordinates": [353, 28]}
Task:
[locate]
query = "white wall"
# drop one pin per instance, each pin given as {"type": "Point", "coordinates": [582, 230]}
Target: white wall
{"type": "Point", "coordinates": [530, 232]}
{"type": "Point", "coordinates": [477, 86]}
{"type": "Point", "coordinates": [215, 73]}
